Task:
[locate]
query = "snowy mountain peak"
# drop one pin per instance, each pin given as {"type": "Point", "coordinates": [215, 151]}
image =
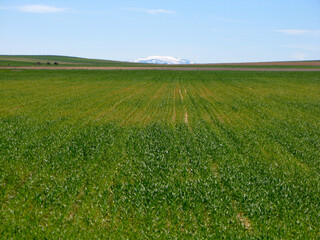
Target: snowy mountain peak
{"type": "Point", "coordinates": [163, 60]}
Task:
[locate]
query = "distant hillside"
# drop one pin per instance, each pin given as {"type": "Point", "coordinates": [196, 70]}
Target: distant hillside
{"type": "Point", "coordinates": [50, 60]}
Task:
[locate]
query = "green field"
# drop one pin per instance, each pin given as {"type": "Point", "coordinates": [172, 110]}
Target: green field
{"type": "Point", "coordinates": [159, 154]}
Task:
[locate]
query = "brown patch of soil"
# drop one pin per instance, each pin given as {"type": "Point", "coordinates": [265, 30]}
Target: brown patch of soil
{"type": "Point", "coordinates": [245, 222]}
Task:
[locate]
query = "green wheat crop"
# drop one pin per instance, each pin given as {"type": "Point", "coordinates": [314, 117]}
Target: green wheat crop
{"type": "Point", "coordinates": [159, 154]}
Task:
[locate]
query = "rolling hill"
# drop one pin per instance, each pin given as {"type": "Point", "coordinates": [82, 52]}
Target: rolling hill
{"type": "Point", "coordinates": [43, 60]}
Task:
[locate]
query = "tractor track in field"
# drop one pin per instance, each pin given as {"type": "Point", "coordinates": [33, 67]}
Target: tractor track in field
{"type": "Point", "coordinates": [169, 68]}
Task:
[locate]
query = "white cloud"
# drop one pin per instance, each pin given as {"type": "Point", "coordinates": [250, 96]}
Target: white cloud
{"type": "Point", "coordinates": [163, 60]}
{"type": "Point", "coordinates": [299, 56]}
{"type": "Point", "coordinates": [152, 11]}
{"type": "Point", "coordinates": [231, 20]}
{"type": "Point", "coordinates": [299, 32]}
{"type": "Point", "coordinates": [40, 9]}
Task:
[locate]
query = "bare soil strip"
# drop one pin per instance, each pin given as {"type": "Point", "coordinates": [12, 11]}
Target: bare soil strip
{"type": "Point", "coordinates": [180, 94]}
{"type": "Point", "coordinates": [168, 68]}
{"type": "Point", "coordinates": [186, 118]}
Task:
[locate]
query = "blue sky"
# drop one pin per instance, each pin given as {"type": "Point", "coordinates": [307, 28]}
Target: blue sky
{"type": "Point", "coordinates": [199, 30]}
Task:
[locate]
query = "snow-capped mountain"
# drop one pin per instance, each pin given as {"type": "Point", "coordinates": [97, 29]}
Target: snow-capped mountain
{"type": "Point", "coordinates": [163, 60]}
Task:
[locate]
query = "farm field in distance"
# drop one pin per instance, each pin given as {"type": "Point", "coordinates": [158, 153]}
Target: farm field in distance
{"type": "Point", "coordinates": [73, 62]}
{"type": "Point", "coordinates": [159, 154]}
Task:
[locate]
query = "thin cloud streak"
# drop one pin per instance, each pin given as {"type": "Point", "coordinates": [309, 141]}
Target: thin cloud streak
{"type": "Point", "coordinates": [299, 32]}
{"type": "Point", "coordinates": [152, 11]}
{"type": "Point", "coordinates": [35, 8]}
{"type": "Point", "coordinates": [40, 9]}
